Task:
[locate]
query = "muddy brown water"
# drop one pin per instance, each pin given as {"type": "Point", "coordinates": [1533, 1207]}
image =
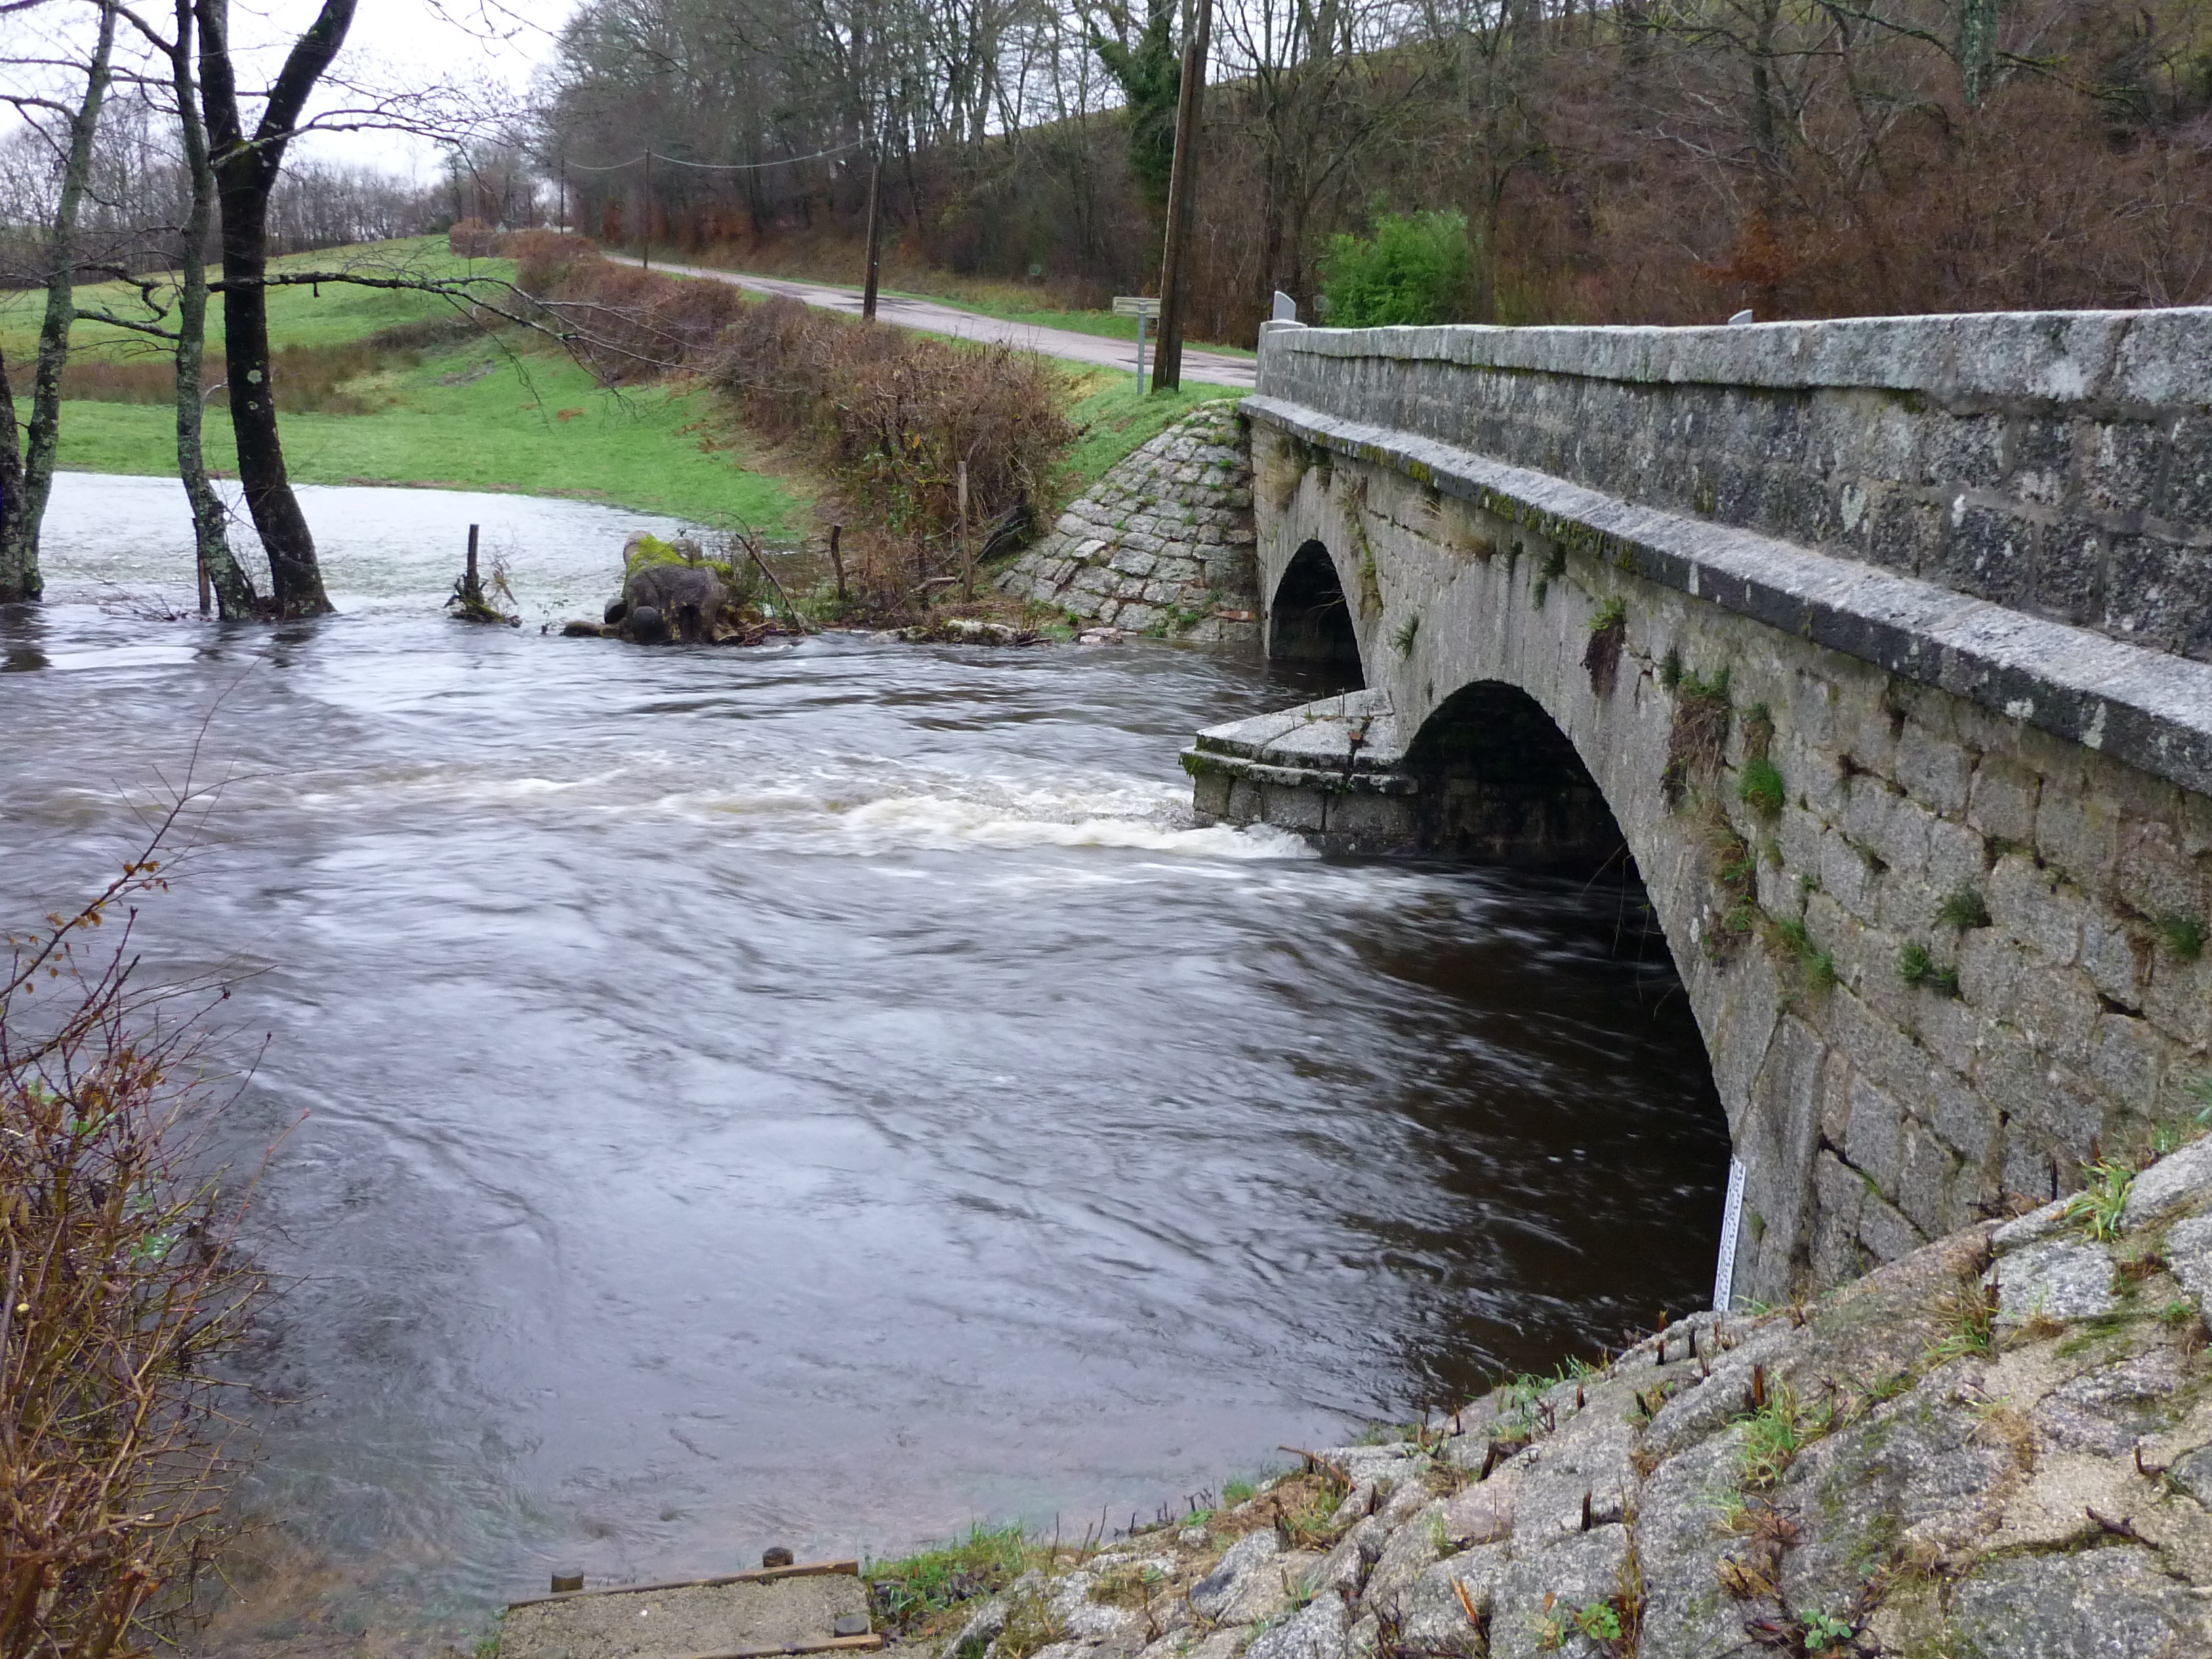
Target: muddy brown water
{"type": "Point", "coordinates": [820, 1095]}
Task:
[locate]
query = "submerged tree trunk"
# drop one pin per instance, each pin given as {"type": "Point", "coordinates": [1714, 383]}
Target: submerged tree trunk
{"type": "Point", "coordinates": [234, 589]}
{"type": "Point", "coordinates": [33, 476]}
{"type": "Point", "coordinates": [245, 171]}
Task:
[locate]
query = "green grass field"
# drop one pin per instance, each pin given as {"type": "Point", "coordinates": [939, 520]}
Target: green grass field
{"type": "Point", "coordinates": [297, 316]}
{"type": "Point", "coordinates": [468, 417]}
{"type": "Point", "coordinates": [553, 434]}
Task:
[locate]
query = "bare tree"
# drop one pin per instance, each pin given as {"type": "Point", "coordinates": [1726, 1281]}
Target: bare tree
{"type": "Point", "coordinates": [246, 170]}
{"type": "Point", "coordinates": [233, 588]}
{"type": "Point", "coordinates": [26, 460]}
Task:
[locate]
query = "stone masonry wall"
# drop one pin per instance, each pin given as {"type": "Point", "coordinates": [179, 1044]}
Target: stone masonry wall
{"type": "Point", "coordinates": [1163, 542]}
{"type": "Point", "coordinates": [2060, 895]}
{"type": "Point", "coordinates": [2059, 463]}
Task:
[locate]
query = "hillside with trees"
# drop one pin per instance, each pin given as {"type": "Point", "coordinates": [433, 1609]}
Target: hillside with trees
{"type": "Point", "coordinates": [1646, 162]}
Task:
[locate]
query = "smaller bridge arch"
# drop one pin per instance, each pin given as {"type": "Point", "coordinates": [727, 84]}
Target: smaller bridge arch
{"type": "Point", "coordinates": [1309, 619]}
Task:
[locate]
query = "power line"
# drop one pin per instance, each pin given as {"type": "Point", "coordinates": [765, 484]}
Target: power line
{"type": "Point", "coordinates": [719, 167]}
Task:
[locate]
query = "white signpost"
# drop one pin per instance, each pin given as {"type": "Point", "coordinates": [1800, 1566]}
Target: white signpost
{"type": "Point", "coordinates": [1731, 1226]}
{"type": "Point", "coordinates": [1143, 309]}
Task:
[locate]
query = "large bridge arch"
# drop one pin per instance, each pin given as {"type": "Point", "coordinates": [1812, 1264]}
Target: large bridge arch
{"type": "Point", "coordinates": [1924, 812]}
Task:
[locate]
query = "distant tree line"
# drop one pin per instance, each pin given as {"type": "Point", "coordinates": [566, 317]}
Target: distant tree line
{"type": "Point", "coordinates": [139, 192]}
{"type": "Point", "coordinates": [1658, 160]}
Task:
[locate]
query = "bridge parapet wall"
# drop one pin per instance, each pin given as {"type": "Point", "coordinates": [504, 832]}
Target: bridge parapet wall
{"type": "Point", "coordinates": [2056, 463]}
{"type": "Point", "coordinates": [1911, 775]}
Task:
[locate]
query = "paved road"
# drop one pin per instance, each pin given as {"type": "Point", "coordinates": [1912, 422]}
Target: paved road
{"type": "Point", "coordinates": [934, 316]}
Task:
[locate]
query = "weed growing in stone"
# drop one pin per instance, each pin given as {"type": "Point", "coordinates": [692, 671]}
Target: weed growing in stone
{"type": "Point", "coordinates": [1030, 1628]}
{"type": "Point", "coordinates": [1408, 631]}
{"type": "Point", "coordinates": [2101, 1204]}
{"type": "Point", "coordinates": [911, 1591]}
{"type": "Point", "coordinates": [1760, 786]}
{"type": "Point", "coordinates": [1964, 909]}
{"type": "Point", "coordinates": [1553, 568]}
{"type": "Point", "coordinates": [1967, 1311]}
{"type": "Point", "coordinates": [1776, 1432]}
{"type": "Point", "coordinates": [2183, 936]}
{"type": "Point", "coordinates": [1700, 730]}
{"type": "Point", "coordinates": [1599, 1620]}
{"type": "Point", "coordinates": [1825, 1632]}
{"type": "Point", "coordinates": [1916, 967]}
{"type": "Point", "coordinates": [1608, 632]}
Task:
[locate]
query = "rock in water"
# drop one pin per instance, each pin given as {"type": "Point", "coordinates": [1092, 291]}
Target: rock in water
{"type": "Point", "coordinates": [645, 625]}
{"type": "Point", "coordinates": [687, 599]}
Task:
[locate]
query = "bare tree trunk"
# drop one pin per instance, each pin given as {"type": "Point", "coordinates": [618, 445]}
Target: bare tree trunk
{"type": "Point", "coordinates": [245, 171]}
{"type": "Point", "coordinates": [234, 589]}
{"type": "Point", "coordinates": [11, 486]}
{"type": "Point", "coordinates": [19, 526]}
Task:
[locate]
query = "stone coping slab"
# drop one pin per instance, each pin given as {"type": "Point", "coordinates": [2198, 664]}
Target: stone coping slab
{"type": "Point", "coordinates": [2146, 707]}
{"type": "Point", "coordinates": [1316, 734]}
{"type": "Point", "coordinates": [2118, 359]}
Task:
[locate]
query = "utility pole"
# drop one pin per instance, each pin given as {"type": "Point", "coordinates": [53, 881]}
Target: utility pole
{"type": "Point", "coordinates": [646, 259]}
{"type": "Point", "coordinates": [1182, 201]}
{"type": "Point", "coordinates": [875, 234]}
{"type": "Point", "coordinates": [561, 163]}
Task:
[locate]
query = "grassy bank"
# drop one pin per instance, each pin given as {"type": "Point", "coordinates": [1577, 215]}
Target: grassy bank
{"type": "Point", "coordinates": [480, 412]}
{"type": "Point", "coordinates": [467, 420]}
{"type": "Point", "coordinates": [1115, 420]}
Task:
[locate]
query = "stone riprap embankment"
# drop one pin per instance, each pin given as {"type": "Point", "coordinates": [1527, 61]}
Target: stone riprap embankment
{"type": "Point", "coordinates": [1162, 542]}
{"type": "Point", "coordinates": [1998, 1446]}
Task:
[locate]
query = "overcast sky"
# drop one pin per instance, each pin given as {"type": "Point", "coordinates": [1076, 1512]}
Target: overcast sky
{"type": "Point", "coordinates": [420, 41]}
{"type": "Point", "coordinates": [392, 43]}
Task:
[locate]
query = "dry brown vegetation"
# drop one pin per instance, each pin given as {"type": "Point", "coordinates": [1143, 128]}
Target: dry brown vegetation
{"type": "Point", "coordinates": [945, 452]}
{"type": "Point", "coordinates": [124, 1289]}
{"type": "Point", "coordinates": [317, 380]}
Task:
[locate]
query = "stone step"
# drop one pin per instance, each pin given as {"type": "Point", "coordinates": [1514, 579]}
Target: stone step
{"type": "Point", "coordinates": [817, 1608]}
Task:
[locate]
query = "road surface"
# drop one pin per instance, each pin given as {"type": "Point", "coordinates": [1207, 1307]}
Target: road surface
{"type": "Point", "coordinates": [934, 316]}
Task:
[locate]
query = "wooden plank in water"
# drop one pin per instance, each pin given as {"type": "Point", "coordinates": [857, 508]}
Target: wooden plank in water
{"type": "Point", "coordinates": [758, 1576]}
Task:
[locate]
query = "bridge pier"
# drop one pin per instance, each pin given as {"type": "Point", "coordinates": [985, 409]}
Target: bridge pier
{"type": "Point", "coordinates": [1918, 791]}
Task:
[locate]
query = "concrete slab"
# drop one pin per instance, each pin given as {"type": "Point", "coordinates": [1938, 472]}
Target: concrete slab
{"type": "Point", "coordinates": [743, 1615]}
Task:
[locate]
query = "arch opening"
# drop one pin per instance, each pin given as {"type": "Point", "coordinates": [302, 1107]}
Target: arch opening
{"type": "Point", "coordinates": [1310, 622]}
{"type": "Point", "coordinates": [1500, 782]}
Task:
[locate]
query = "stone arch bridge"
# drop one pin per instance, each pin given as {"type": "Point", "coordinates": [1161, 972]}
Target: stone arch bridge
{"type": "Point", "coordinates": [1883, 647]}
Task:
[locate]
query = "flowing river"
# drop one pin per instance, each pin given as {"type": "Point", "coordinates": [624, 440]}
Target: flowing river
{"type": "Point", "coordinates": [818, 1094]}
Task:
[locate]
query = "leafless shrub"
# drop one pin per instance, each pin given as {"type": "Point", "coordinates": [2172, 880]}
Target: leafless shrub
{"type": "Point", "coordinates": [124, 1286]}
{"type": "Point", "coordinates": [949, 449]}
{"type": "Point", "coordinates": [471, 239]}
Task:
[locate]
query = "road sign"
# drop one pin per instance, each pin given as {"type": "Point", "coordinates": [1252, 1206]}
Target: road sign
{"type": "Point", "coordinates": [1135, 305]}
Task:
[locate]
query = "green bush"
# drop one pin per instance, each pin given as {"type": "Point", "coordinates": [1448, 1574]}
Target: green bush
{"type": "Point", "coordinates": [1416, 268]}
